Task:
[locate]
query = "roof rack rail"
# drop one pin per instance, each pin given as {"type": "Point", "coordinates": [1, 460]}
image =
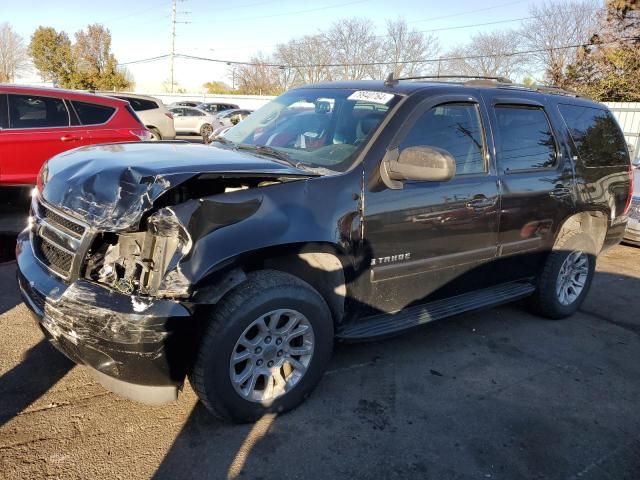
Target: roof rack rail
{"type": "Point", "coordinates": [391, 80]}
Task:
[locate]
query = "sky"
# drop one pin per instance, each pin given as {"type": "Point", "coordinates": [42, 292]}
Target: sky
{"type": "Point", "coordinates": [236, 30]}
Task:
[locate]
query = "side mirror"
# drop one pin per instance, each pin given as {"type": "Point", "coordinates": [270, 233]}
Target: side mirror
{"type": "Point", "coordinates": [421, 163]}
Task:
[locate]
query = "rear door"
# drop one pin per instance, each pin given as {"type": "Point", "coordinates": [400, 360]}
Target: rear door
{"type": "Point", "coordinates": [536, 181]}
{"type": "Point", "coordinates": [37, 128]}
{"type": "Point", "coordinates": [429, 235]}
{"type": "Point", "coordinates": [180, 121]}
{"type": "Point", "coordinates": [97, 120]}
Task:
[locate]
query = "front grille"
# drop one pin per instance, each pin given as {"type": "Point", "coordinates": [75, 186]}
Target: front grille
{"type": "Point", "coordinates": [53, 257]}
{"type": "Point", "coordinates": [59, 241]}
{"type": "Point", "coordinates": [71, 227]}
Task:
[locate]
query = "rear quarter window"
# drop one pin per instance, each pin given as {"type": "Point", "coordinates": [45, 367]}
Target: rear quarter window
{"type": "Point", "coordinates": [140, 104]}
{"type": "Point", "coordinates": [596, 135]}
{"type": "Point", "coordinates": [92, 113]}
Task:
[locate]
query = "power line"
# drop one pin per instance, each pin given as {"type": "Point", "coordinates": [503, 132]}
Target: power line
{"type": "Point", "coordinates": [400, 62]}
{"type": "Point", "coordinates": [317, 9]}
{"type": "Point", "coordinates": [459, 27]}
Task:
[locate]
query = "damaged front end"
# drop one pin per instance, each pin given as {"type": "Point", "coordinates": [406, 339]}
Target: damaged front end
{"type": "Point", "coordinates": [106, 264]}
{"type": "Point", "coordinates": [143, 263]}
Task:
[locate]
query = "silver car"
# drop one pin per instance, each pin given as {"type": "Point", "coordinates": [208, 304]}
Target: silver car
{"type": "Point", "coordinates": [192, 120]}
{"type": "Point", "coordinates": [152, 112]}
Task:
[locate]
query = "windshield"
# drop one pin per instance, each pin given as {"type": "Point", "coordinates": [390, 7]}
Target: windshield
{"type": "Point", "coordinates": [315, 127]}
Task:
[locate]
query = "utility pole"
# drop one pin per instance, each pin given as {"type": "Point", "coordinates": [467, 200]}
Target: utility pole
{"type": "Point", "coordinates": [174, 21]}
{"type": "Point", "coordinates": [173, 37]}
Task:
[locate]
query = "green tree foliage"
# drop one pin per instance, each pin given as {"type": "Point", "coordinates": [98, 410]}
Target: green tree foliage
{"type": "Point", "coordinates": [52, 55]}
{"type": "Point", "coordinates": [87, 64]}
{"type": "Point", "coordinates": [217, 87]}
{"type": "Point", "coordinates": [609, 70]}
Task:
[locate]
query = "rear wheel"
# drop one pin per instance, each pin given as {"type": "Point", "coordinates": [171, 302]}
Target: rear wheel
{"type": "Point", "coordinates": [266, 347]}
{"type": "Point", "coordinates": [566, 276]}
{"type": "Point", "coordinates": [155, 134]}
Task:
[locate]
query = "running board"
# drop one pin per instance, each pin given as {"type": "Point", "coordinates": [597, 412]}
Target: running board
{"type": "Point", "coordinates": [390, 323]}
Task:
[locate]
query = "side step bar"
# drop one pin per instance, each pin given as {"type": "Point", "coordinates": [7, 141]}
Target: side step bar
{"type": "Point", "coordinates": [390, 323]}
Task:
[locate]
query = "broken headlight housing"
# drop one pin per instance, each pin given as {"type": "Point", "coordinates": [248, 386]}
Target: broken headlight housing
{"type": "Point", "coordinates": [144, 263]}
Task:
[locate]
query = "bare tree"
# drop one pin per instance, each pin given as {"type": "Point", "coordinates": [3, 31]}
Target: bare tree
{"type": "Point", "coordinates": [259, 77]}
{"type": "Point", "coordinates": [557, 25]}
{"type": "Point", "coordinates": [306, 58]}
{"type": "Point", "coordinates": [352, 44]}
{"type": "Point", "coordinates": [402, 45]}
{"type": "Point", "coordinates": [487, 54]}
{"type": "Point", "coordinates": [13, 53]}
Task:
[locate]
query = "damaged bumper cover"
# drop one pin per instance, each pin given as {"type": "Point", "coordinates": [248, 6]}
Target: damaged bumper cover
{"type": "Point", "coordinates": [136, 346]}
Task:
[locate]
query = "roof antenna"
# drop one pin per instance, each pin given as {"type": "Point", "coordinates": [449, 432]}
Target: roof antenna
{"type": "Point", "coordinates": [390, 81]}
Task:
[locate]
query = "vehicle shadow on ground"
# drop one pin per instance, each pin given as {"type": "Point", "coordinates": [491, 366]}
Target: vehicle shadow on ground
{"type": "Point", "coordinates": [483, 392]}
{"type": "Point", "coordinates": [40, 369]}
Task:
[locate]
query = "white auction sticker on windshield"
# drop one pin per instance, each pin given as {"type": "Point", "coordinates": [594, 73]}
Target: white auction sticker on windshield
{"type": "Point", "coordinates": [369, 96]}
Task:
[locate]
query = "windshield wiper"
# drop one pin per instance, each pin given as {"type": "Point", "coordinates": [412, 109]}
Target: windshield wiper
{"type": "Point", "coordinates": [224, 141]}
{"type": "Point", "coordinates": [266, 150]}
{"type": "Point", "coordinates": [285, 157]}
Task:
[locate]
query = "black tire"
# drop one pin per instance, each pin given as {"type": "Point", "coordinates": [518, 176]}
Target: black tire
{"type": "Point", "coordinates": [546, 301]}
{"type": "Point", "coordinates": [262, 292]}
{"type": "Point", "coordinates": [155, 133]}
{"type": "Point", "coordinates": [206, 130]}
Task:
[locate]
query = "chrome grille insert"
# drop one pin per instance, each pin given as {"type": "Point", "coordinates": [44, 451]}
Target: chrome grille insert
{"type": "Point", "coordinates": [59, 241]}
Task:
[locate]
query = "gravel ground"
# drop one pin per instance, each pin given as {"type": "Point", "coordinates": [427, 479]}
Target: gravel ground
{"type": "Point", "coordinates": [496, 394]}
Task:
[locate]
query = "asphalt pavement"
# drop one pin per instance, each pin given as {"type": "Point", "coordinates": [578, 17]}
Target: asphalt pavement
{"type": "Point", "coordinates": [497, 394]}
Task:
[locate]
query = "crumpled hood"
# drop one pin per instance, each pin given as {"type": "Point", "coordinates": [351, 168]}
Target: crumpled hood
{"type": "Point", "coordinates": [110, 186]}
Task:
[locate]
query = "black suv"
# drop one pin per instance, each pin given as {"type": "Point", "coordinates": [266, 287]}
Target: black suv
{"type": "Point", "coordinates": [351, 210]}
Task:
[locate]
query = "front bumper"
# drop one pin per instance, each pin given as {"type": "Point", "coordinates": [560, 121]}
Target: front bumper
{"type": "Point", "coordinates": [137, 347]}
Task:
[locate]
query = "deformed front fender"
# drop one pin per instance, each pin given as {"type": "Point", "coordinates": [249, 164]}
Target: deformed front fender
{"type": "Point", "coordinates": [225, 227]}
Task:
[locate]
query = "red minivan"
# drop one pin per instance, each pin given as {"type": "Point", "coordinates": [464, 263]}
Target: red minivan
{"type": "Point", "coordinates": [38, 123]}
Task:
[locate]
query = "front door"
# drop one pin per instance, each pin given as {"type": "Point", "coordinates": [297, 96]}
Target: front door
{"type": "Point", "coordinates": [426, 236]}
{"type": "Point", "coordinates": [38, 127]}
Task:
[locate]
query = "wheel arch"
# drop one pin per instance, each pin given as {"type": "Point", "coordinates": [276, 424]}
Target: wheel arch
{"type": "Point", "coordinates": [593, 223]}
{"type": "Point", "coordinates": [321, 265]}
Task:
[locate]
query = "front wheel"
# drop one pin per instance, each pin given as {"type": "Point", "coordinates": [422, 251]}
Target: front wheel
{"type": "Point", "coordinates": [566, 277]}
{"type": "Point", "coordinates": [266, 347]}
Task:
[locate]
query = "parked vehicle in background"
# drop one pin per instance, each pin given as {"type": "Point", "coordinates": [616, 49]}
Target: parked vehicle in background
{"type": "Point", "coordinates": [192, 120]}
{"type": "Point", "coordinates": [38, 123]}
{"type": "Point", "coordinates": [351, 210]}
{"type": "Point", "coordinates": [225, 120]}
{"type": "Point", "coordinates": [215, 107]}
{"type": "Point", "coordinates": [152, 112]}
{"type": "Point", "coordinates": [632, 234]}
{"type": "Point", "coordinates": [184, 103]}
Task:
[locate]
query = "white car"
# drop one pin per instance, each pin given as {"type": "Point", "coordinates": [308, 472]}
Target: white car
{"type": "Point", "coordinates": [224, 121]}
{"type": "Point", "coordinates": [152, 112]}
{"type": "Point", "coordinates": [192, 120]}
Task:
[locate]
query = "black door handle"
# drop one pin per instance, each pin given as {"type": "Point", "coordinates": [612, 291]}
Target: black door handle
{"type": "Point", "coordinates": [480, 202]}
{"type": "Point", "coordinates": [560, 192]}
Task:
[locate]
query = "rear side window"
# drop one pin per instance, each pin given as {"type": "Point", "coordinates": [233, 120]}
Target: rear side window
{"type": "Point", "coordinates": [30, 111]}
{"type": "Point", "coordinates": [455, 128]}
{"type": "Point", "coordinates": [140, 104]}
{"type": "Point", "coordinates": [92, 113]}
{"type": "Point", "coordinates": [525, 140]}
{"type": "Point", "coordinates": [596, 135]}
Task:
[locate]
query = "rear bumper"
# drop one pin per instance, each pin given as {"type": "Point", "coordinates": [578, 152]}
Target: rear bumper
{"type": "Point", "coordinates": [139, 348]}
{"type": "Point", "coordinates": [632, 233]}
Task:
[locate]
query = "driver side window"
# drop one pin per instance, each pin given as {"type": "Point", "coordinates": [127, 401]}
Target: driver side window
{"type": "Point", "coordinates": [456, 128]}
